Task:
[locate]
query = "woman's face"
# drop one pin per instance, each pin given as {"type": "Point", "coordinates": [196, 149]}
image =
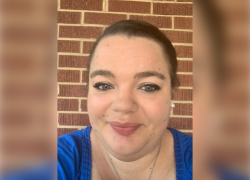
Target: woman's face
{"type": "Point", "coordinates": [129, 94]}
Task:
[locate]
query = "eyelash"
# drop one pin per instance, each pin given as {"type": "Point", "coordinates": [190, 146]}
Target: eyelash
{"type": "Point", "coordinates": [153, 87]}
{"type": "Point", "coordinates": [105, 87]}
{"type": "Point", "coordinates": [101, 86]}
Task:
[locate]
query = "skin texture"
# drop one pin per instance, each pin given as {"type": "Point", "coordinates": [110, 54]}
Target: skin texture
{"type": "Point", "coordinates": [128, 99]}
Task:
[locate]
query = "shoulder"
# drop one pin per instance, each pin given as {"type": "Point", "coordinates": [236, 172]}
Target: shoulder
{"type": "Point", "coordinates": [72, 150]}
{"type": "Point", "coordinates": [183, 145]}
{"type": "Point", "coordinates": [74, 139]}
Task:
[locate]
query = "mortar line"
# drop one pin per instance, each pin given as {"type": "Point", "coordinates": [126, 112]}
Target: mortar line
{"type": "Point", "coordinates": [79, 103]}
{"type": "Point", "coordinates": [103, 25]}
{"type": "Point", "coordinates": [77, 39]}
{"type": "Point", "coordinates": [172, 22]}
{"type": "Point", "coordinates": [185, 73]}
{"type": "Point", "coordinates": [130, 13]}
{"type": "Point", "coordinates": [151, 7]}
{"type": "Point", "coordinates": [82, 18]}
{"type": "Point", "coordinates": [185, 59]}
{"type": "Point", "coordinates": [107, 5]}
{"type": "Point", "coordinates": [103, 5]}
{"type": "Point", "coordinates": [58, 90]}
{"type": "Point", "coordinates": [58, 5]}
{"type": "Point", "coordinates": [71, 53]}
{"type": "Point", "coordinates": [185, 130]}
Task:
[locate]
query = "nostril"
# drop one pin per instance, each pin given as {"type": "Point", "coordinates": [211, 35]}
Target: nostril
{"type": "Point", "coordinates": [124, 105]}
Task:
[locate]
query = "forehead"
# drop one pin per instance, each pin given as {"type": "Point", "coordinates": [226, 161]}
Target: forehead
{"type": "Point", "coordinates": [120, 51]}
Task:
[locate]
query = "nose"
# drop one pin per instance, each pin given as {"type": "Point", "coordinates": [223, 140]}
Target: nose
{"type": "Point", "coordinates": [125, 102]}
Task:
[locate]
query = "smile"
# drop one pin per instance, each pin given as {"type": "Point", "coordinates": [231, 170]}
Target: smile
{"type": "Point", "coordinates": [124, 129]}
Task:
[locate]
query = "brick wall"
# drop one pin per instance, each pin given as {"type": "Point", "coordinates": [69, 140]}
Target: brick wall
{"type": "Point", "coordinates": [80, 22]}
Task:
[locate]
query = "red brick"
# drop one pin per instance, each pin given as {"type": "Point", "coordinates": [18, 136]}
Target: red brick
{"type": "Point", "coordinates": [183, 95]}
{"type": "Point", "coordinates": [81, 4]}
{"type": "Point", "coordinates": [158, 21]}
{"type": "Point", "coordinates": [87, 46]}
{"type": "Point", "coordinates": [186, 80]}
{"type": "Point", "coordinates": [84, 76]}
{"type": "Point", "coordinates": [181, 123]}
{"type": "Point", "coordinates": [73, 61]}
{"type": "Point", "coordinates": [72, 91]}
{"type": "Point", "coordinates": [61, 131]}
{"type": "Point", "coordinates": [179, 36]}
{"type": "Point", "coordinates": [79, 32]}
{"type": "Point", "coordinates": [73, 119]}
{"type": "Point", "coordinates": [129, 6]}
{"type": "Point", "coordinates": [102, 18]}
{"type": "Point", "coordinates": [183, 23]}
{"type": "Point", "coordinates": [172, 9]}
{"type": "Point", "coordinates": [183, 109]}
{"type": "Point", "coordinates": [184, 51]}
{"type": "Point", "coordinates": [68, 17]}
{"type": "Point", "coordinates": [68, 76]}
{"type": "Point", "coordinates": [68, 46]}
{"type": "Point", "coordinates": [67, 105]}
{"type": "Point", "coordinates": [185, 66]}
{"type": "Point", "coordinates": [84, 105]}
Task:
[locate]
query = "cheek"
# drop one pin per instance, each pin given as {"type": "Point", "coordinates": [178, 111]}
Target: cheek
{"type": "Point", "coordinates": [157, 110]}
{"type": "Point", "coordinates": [97, 106]}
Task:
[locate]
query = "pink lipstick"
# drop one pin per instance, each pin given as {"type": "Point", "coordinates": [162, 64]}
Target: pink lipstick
{"type": "Point", "coordinates": [124, 129]}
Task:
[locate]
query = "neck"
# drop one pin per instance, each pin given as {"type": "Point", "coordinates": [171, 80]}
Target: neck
{"type": "Point", "coordinates": [141, 167]}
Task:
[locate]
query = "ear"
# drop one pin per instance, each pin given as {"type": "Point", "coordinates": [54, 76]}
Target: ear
{"type": "Point", "coordinates": [170, 107]}
{"type": "Point", "coordinates": [172, 96]}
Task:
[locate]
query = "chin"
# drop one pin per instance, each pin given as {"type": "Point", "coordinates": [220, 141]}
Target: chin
{"type": "Point", "coordinates": [124, 146]}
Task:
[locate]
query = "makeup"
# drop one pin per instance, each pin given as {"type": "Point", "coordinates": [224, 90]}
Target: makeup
{"type": "Point", "coordinates": [124, 129]}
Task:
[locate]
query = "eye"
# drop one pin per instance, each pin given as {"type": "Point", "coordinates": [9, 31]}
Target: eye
{"type": "Point", "coordinates": [102, 86]}
{"type": "Point", "coordinates": [150, 87]}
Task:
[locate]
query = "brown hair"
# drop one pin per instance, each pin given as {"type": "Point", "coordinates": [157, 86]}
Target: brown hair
{"type": "Point", "coordinates": [136, 28]}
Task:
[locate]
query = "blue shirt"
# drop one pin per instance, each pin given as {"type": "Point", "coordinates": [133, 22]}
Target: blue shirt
{"type": "Point", "coordinates": [74, 155]}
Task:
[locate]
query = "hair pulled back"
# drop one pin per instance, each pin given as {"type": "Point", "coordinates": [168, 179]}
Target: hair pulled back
{"type": "Point", "coordinates": [136, 28]}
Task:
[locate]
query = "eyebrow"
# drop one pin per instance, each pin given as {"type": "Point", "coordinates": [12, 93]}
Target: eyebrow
{"type": "Point", "coordinates": [105, 73]}
{"type": "Point", "coordinates": [149, 74]}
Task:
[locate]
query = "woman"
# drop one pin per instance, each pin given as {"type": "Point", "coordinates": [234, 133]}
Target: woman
{"type": "Point", "coordinates": [132, 72]}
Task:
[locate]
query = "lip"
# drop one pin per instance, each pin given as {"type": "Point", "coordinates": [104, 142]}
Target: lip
{"type": "Point", "coordinates": [125, 128]}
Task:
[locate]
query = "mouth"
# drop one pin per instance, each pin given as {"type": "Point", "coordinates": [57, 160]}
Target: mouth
{"type": "Point", "coordinates": [124, 129]}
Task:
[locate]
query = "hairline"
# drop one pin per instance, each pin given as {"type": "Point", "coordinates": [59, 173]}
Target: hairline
{"type": "Point", "coordinates": [165, 56]}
